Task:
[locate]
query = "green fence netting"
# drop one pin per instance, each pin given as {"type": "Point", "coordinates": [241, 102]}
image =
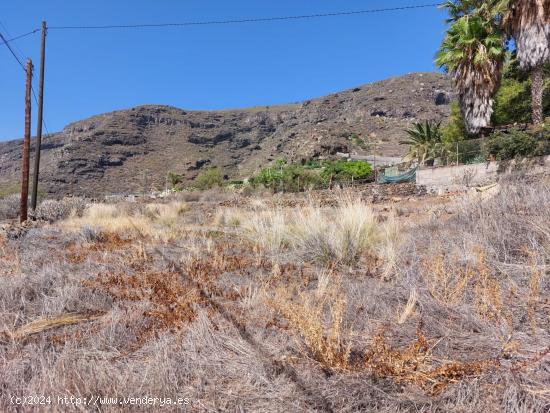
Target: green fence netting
{"type": "Point", "coordinates": [393, 178]}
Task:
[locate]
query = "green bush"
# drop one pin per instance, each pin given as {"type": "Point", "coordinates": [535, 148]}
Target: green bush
{"type": "Point", "coordinates": [513, 98]}
{"type": "Point", "coordinates": [310, 174]}
{"type": "Point", "coordinates": [174, 179]}
{"type": "Point", "coordinates": [342, 171]}
{"type": "Point", "coordinates": [512, 102]}
{"type": "Point", "coordinates": [284, 177]}
{"type": "Point", "coordinates": [455, 129]}
{"type": "Point", "coordinates": [208, 179]}
{"type": "Point", "coordinates": [511, 144]}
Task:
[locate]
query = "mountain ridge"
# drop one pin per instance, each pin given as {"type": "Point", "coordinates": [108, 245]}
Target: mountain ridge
{"type": "Point", "coordinates": [132, 150]}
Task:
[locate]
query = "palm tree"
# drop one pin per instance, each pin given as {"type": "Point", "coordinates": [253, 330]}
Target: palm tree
{"type": "Point", "coordinates": [487, 9]}
{"type": "Point", "coordinates": [527, 21]}
{"type": "Point", "coordinates": [425, 142]}
{"type": "Point", "coordinates": [473, 52]}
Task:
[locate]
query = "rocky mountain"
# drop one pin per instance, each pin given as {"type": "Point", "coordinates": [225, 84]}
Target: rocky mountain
{"type": "Point", "coordinates": [128, 151]}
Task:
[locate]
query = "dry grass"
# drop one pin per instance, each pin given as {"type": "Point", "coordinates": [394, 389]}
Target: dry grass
{"type": "Point", "coordinates": [409, 308]}
{"type": "Point", "coordinates": [48, 323]}
{"type": "Point", "coordinates": [446, 279]}
{"type": "Point", "coordinates": [328, 236]}
{"type": "Point", "coordinates": [318, 317]}
{"type": "Point", "coordinates": [153, 220]}
{"type": "Point", "coordinates": [10, 259]}
{"type": "Point", "coordinates": [251, 308]}
{"type": "Point", "coordinates": [415, 364]}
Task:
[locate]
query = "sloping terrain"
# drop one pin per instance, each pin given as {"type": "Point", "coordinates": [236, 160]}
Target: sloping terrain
{"type": "Point", "coordinates": [129, 151]}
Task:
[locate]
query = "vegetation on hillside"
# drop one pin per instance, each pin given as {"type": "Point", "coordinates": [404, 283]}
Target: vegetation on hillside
{"type": "Point", "coordinates": [425, 142]}
{"type": "Point", "coordinates": [295, 177]}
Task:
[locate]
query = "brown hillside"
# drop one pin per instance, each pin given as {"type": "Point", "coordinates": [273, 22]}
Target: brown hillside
{"type": "Point", "coordinates": [129, 150]}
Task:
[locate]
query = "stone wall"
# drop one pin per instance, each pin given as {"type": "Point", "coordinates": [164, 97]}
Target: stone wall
{"type": "Point", "coordinates": [460, 176]}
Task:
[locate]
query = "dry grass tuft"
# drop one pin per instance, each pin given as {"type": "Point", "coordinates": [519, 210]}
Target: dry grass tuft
{"type": "Point", "coordinates": [10, 259]}
{"type": "Point", "coordinates": [488, 292]}
{"type": "Point", "coordinates": [328, 236]}
{"type": "Point", "coordinates": [43, 324]}
{"type": "Point", "coordinates": [408, 310]}
{"type": "Point", "coordinates": [318, 318]}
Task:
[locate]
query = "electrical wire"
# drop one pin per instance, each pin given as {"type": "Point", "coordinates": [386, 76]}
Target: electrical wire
{"type": "Point", "coordinates": [18, 59]}
{"type": "Point", "coordinates": [7, 42]}
{"type": "Point", "coordinates": [249, 20]}
{"type": "Point", "coordinates": [12, 52]}
{"type": "Point", "coordinates": [19, 37]}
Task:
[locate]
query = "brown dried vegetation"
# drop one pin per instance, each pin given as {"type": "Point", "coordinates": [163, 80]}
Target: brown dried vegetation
{"type": "Point", "coordinates": [446, 317]}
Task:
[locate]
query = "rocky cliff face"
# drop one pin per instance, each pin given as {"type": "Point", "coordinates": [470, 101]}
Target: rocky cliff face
{"type": "Point", "coordinates": [131, 150]}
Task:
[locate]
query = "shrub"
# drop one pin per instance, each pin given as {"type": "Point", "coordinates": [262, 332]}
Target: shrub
{"type": "Point", "coordinates": [91, 234]}
{"type": "Point", "coordinates": [208, 179]}
{"type": "Point", "coordinates": [513, 99]}
{"type": "Point", "coordinates": [9, 206]}
{"type": "Point", "coordinates": [174, 179]}
{"type": "Point", "coordinates": [456, 138]}
{"type": "Point", "coordinates": [508, 145]}
{"type": "Point", "coordinates": [9, 189]}
{"type": "Point", "coordinates": [310, 174]}
{"type": "Point", "coordinates": [455, 129]}
{"type": "Point", "coordinates": [318, 316]}
{"type": "Point", "coordinates": [346, 171]}
{"type": "Point", "coordinates": [512, 102]}
{"type": "Point", "coordinates": [53, 210]}
{"type": "Point", "coordinates": [291, 177]}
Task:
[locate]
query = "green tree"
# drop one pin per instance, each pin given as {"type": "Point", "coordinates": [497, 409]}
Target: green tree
{"type": "Point", "coordinates": [527, 22]}
{"type": "Point", "coordinates": [513, 99]}
{"type": "Point", "coordinates": [473, 52]}
{"type": "Point", "coordinates": [425, 142]}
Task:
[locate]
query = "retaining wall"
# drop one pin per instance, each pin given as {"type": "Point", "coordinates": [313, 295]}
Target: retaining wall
{"type": "Point", "coordinates": [482, 173]}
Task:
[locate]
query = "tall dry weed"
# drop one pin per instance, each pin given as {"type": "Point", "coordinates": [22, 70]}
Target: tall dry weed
{"type": "Point", "coordinates": [318, 317]}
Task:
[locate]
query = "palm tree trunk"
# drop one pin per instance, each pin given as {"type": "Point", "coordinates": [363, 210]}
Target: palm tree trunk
{"type": "Point", "coordinates": [537, 88]}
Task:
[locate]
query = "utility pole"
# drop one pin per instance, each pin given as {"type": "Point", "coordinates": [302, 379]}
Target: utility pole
{"type": "Point", "coordinates": [38, 142]}
{"type": "Point", "coordinates": [26, 147]}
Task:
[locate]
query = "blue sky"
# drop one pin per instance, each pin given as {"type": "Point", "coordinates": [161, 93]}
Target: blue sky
{"type": "Point", "coordinates": [206, 67]}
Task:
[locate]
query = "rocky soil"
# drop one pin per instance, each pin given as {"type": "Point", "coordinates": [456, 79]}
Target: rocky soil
{"type": "Point", "coordinates": [131, 151]}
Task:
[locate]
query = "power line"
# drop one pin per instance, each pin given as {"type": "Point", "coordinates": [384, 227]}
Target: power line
{"type": "Point", "coordinates": [12, 52]}
{"type": "Point", "coordinates": [8, 34]}
{"type": "Point", "coordinates": [43, 117]}
{"type": "Point", "coordinates": [19, 37]}
{"type": "Point", "coordinates": [250, 20]}
{"type": "Point", "coordinates": [6, 42]}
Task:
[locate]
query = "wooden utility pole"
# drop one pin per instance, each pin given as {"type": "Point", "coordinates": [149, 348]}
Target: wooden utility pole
{"type": "Point", "coordinates": [26, 147]}
{"type": "Point", "coordinates": [38, 142]}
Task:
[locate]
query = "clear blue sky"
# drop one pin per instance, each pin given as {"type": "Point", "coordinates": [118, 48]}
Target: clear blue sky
{"type": "Point", "coordinates": [206, 67]}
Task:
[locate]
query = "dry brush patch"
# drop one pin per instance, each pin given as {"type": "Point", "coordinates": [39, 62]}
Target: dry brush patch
{"type": "Point", "coordinates": [457, 318]}
{"type": "Point", "coordinates": [339, 235]}
{"type": "Point", "coordinates": [155, 220]}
